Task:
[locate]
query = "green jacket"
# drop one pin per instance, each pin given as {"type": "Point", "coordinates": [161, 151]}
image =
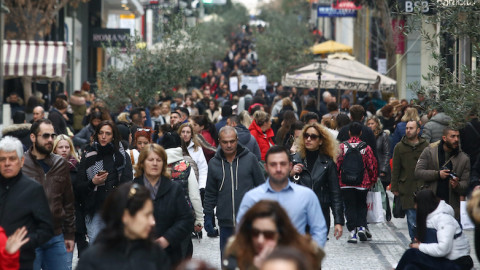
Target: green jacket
{"type": "Point", "coordinates": [428, 170]}
{"type": "Point", "coordinates": [405, 156]}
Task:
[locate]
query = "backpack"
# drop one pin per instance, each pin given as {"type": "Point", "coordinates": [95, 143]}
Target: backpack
{"type": "Point", "coordinates": [352, 168]}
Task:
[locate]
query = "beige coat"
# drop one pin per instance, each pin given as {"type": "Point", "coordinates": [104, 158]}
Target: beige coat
{"type": "Point", "coordinates": [428, 168]}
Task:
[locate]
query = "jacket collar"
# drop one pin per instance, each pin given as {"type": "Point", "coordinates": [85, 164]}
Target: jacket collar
{"type": "Point", "coordinates": [49, 159]}
{"type": "Point", "coordinates": [165, 185]}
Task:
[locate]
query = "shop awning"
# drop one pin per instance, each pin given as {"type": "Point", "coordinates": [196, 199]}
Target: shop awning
{"type": "Point", "coordinates": [38, 59]}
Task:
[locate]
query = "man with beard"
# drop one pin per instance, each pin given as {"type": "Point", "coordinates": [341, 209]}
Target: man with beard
{"type": "Point", "coordinates": [404, 183]}
{"type": "Point", "coordinates": [300, 202]}
{"type": "Point", "coordinates": [53, 173]}
{"type": "Point", "coordinates": [445, 169]}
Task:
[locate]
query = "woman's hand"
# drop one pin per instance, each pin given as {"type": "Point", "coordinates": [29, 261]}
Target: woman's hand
{"type": "Point", "coordinates": [198, 228]}
{"type": "Point", "coordinates": [163, 242]}
{"type": "Point", "coordinates": [297, 169]}
{"type": "Point", "coordinates": [100, 179]}
{"type": "Point", "coordinates": [267, 249]}
{"type": "Point", "coordinates": [16, 240]}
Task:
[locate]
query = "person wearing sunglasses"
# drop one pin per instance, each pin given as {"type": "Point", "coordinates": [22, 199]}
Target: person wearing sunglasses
{"type": "Point", "coordinates": [126, 242]}
{"type": "Point", "coordinates": [318, 152]}
{"type": "Point", "coordinates": [264, 228]}
{"type": "Point", "coordinates": [53, 172]}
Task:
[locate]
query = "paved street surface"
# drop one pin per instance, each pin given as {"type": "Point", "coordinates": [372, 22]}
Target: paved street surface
{"type": "Point", "coordinates": [390, 239]}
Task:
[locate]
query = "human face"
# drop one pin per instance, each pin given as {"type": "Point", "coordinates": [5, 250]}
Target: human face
{"type": "Point", "coordinates": [141, 143]}
{"type": "Point", "coordinates": [279, 264]}
{"type": "Point", "coordinates": [297, 133]}
{"type": "Point", "coordinates": [264, 233]}
{"type": "Point", "coordinates": [174, 119]}
{"type": "Point", "coordinates": [186, 134]}
{"type": "Point", "coordinates": [165, 108]}
{"type": "Point", "coordinates": [312, 143]}
{"type": "Point", "coordinates": [196, 128]}
{"type": "Point", "coordinates": [144, 116]}
{"type": "Point", "coordinates": [10, 164]}
{"type": "Point", "coordinates": [153, 165]}
{"type": "Point", "coordinates": [211, 105]}
{"type": "Point", "coordinates": [42, 143]}
{"type": "Point", "coordinates": [96, 122]}
{"type": "Point", "coordinates": [452, 139]}
{"type": "Point", "coordinates": [38, 113]}
{"type": "Point", "coordinates": [63, 149]}
{"type": "Point", "coordinates": [266, 126]}
{"type": "Point", "coordinates": [228, 142]}
{"type": "Point", "coordinates": [411, 130]}
{"type": "Point", "coordinates": [278, 167]}
{"type": "Point", "coordinates": [372, 124]}
{"type": "Point", "coordinates": [139, 225]}
{"type": "Point", "coordinates": [188, 102]}
{"type": "Point", "coordinates": [105, 135]}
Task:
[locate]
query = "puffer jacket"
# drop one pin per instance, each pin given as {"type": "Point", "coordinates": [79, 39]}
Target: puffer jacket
{"type": "Point", "coordinates": [323, 180]}
{"type": "Point", "coordinates": [383, 153]}
{"type": "Point", "coordinates": [58, 189]}
{"type": "Point", "coordinates": [405, 157]}
{"type": "Point", "coordinates": [442, 220]}
{"type": "Point", "coordinates": [427, 170]}
{"type": "Point", "coordinates": [199, 157]}
{"type": "Point", "coordinates": [228, 182]}
{"type": "Point", "coordinates": [174, 155]}
{"type": "Point", "coordinates": [264, 140]}
{"type": "Point", "coordinates": [369, 162]}
{"type": "Point", "coordinates": [21, 132]}
{"type": "Point", "coordinates": [433, 129]}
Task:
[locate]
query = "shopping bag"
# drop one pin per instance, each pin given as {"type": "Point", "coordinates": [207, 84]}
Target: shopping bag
{"type": "Point", "coordinates": [378, 187]}
{"type": "Point", "coordinates": [397, 209]}
{"type": "Point", "coordinates": [464, 218]}
{"type": "Point", "coordinates": [374, 207]}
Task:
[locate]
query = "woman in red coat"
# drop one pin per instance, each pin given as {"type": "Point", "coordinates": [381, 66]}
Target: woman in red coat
{"type": "Point", "coordinates": [261, 129]}
{"type": "Point", "coordinates": [10, 248]}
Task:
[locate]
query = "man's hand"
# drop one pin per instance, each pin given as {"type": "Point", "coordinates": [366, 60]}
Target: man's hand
{"type": "Point", "coordinates": [69, 245]}
{"type": "Point", "coordinates": [16, 240]}
{"type": "Point", "coordinates": [163, 242]}
{"type": "Point", "coordinates": [198, 228]}
{"type": "Point", "coordinates": [414, 245]}
{"type": "Point", "coordinates": [444, 174]}
{"type": "Point", "coordinates": [454, 182]}
{"type": "Point", "coordinates": [338, 231]}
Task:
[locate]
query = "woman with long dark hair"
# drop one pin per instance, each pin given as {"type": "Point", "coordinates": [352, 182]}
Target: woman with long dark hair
{"type": "Point", "coordinates": [126, 241]}
{"type": "Point", "coordinates": [103, 167]}
{"type": "Point", "coordinates": [264, 227]}
{"type": "Point", "coordinates": [285, 130]}
{"type": "Point", "coordinates": [206, 134]}
{"type": "Point", "coordinates": [317, 154]}
{"type": "Point", "coordinates": [441, 243]}
{"type": "Point", "coordinates": [173, 216]}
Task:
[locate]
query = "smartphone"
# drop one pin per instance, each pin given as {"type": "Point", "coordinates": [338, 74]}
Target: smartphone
{"type": "Point", "coordinates": [102, 172]}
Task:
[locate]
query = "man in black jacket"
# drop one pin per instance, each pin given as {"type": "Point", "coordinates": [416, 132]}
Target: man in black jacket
{"type": "Point", "coordinates": [357, 113]}
{"type": "Point", "coordinates": [22, 201]}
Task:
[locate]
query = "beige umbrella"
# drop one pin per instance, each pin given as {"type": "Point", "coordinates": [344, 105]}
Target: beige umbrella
{"type": "Point", "coordinates": [330, 47]}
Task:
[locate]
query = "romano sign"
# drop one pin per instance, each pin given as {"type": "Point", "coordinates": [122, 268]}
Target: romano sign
{"type": "Point", "coordinates": [109, 37]}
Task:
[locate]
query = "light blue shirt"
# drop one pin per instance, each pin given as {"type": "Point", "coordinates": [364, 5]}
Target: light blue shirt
{"type": "Point", "coordinates": [300, 203]}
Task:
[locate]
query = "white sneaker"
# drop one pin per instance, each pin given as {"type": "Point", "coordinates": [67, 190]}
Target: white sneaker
{"type": "Point", "coordinates": [362, 235]}
{"type": "Point", "coordinates": [352, 238]}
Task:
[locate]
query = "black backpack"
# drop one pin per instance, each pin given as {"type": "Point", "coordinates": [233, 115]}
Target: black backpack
{"type": "Point", "coordinates": [352, 168]}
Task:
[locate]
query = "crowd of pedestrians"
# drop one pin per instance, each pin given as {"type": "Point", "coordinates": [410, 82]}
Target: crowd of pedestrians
{"type": "Point", "coordinates": [262, 169]}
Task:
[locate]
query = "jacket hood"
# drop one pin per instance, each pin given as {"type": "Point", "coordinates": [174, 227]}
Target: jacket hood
{"type": "Point", "coordinates": [174, 154]}
{"type": "Point", "coordinates": [19, 129]}
{"type": "Point", "coordinates": [407, 143]}
{"type": "Point", "coordinates": [442, 208]}
{"type": "Point", "coordinates": [240, 152]}
{"type": "Point", "coordinates": [441, 118]}
{"type": "Point", "coordinates": [243, 134]}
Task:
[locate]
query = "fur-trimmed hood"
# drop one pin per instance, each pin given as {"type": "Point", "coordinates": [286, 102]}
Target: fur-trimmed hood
{"type": "Point", "coordinates": [17, 130]}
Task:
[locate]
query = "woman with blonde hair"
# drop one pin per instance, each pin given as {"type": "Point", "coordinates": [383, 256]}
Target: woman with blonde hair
{"type": "Point", "coordinates": [173, 217]}
{"type": "Point", "coordinates": [316, 156]}
{"type": "Point", "coordinates": [410, 114]}
{"type": "Point", "coordinates": [261, 129]}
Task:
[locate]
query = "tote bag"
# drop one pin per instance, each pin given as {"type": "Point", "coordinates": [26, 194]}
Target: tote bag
{"type": "Point", "coordinates": [374, 207]}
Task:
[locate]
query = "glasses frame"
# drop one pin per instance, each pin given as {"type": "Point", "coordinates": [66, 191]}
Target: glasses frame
{"type": "Point", "coordinates": [48, 135]}
{"type": "Point", "coordinates": [267, 234]}
{"type": "Point", "coordinates": [313, 137]}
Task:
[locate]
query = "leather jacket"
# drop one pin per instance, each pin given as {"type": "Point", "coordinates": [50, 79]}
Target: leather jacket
{"type": "Point", "coordinates": [383, 153]}
{"type": "Point", "coordinates": [58, 189]}
{"type": "Point", "coordinates": [323, 180]}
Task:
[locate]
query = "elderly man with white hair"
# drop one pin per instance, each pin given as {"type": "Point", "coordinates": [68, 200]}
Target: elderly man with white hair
{"type": "Point", "coordinates": [23, 201]}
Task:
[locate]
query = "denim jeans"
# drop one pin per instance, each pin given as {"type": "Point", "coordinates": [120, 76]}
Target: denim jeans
{"type": "Point", "coordinates": [52, 255]}
{"type": "Point", "coordinates": [225, 233]}
{"type": "Point", "coordinates": [94, 225]}
{"type": "Point", "coordinates": [411, 222]}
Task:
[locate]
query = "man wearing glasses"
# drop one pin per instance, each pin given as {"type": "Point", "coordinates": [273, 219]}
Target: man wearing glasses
{"type": "Point", "coordinates": [53, 172]}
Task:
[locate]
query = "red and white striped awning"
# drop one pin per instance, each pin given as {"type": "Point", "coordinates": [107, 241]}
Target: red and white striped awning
{"type": "Point", "coordinates": [39, 59]}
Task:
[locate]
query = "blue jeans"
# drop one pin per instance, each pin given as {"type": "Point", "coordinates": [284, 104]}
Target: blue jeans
{"type": "Point", "coordinates": [411, 222]}
{"type": "Point", "coordinates": [94, 225]}
{"type": "Point", "coordinates": [225, 233]}
{"type": "Point", "coordinates": [52, 255]}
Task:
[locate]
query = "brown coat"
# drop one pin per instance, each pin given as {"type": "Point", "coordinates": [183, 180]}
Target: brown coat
{"type": "Point", "coordinates": [58, 189]}
{"type": "Point", "coordinates": [428, 167]}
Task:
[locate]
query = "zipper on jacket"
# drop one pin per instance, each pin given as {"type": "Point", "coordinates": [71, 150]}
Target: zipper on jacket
{"type": "Point", "coordinates": [233, 194]}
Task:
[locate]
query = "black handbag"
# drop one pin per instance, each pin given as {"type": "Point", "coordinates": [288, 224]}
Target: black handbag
{"type": "Point", "coordinates": [397, 210]}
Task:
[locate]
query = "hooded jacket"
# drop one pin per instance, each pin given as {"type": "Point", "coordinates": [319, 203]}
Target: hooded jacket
{"type": "Point", "coordinates": [19, 131]}
{"type": "Point", "coordinates": [442, 220]}
{"type": "Point", "coordinates": [428, 167]}
{"type": "Point", "coordinates": [264, 140]}
{"type": "Point", "coordinates": [405, 158]}
{"type": "Point", "coordinates": [199, 157]}
{"type": "Point", "coordinates": [174, 155]}
{"type": "Point", "coordinates": [228, 182]}
{"type": "Point", "coordinates": [433, 129]}
{"type": "Point", "coordinates": [83, 136]}
{"type": "Point", "coordinates": [247, 140]}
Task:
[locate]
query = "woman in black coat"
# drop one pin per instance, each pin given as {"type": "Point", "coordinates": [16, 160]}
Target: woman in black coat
{"type": "Point", "coordinates": [126, 243]}
{"type": "Point", "coordinates": [314, 167]}
{"type": "Point", "coordinates": [173, 217]}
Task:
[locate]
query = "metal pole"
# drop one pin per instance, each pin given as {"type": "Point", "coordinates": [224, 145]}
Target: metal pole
{"type": "Point", "coordinates": [2, 29]}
